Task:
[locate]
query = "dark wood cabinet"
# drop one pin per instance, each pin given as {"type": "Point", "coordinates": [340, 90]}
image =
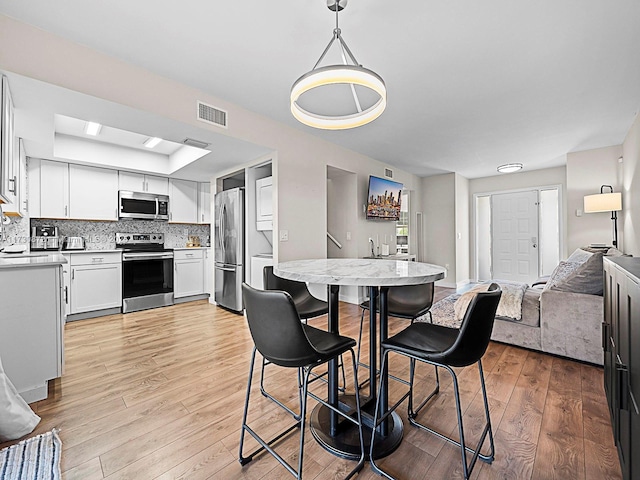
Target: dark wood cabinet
{"type": "Point", "coordinates": [621, 345]}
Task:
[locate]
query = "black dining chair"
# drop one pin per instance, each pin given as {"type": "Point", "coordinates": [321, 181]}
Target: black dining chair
{"type": "Point", "coordinates": [406, 301]}
{"type": "Point", "coordinates": [446, 347]}
{"type": "Point", "coordinates": [280, 337]}
{"type": "Point", "coordinates": [307, 306]}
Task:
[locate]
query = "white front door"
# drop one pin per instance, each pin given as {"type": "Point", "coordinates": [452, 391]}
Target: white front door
{"type": "Point", "coordinates": [514, 222]}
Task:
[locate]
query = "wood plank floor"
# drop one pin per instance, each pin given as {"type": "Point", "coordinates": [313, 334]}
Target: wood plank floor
{"type": "Point", "coordinates": [159, 394]}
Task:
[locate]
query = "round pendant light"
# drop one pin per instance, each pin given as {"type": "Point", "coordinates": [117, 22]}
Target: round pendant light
{"type": "Point", "coordinates": [348, 74]}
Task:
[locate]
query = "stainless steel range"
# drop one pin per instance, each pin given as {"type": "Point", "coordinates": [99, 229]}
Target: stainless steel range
{"type": "Point", "coordinates": [147, 271]}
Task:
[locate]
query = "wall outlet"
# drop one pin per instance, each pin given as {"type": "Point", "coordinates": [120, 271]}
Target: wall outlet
{"type": "Point", "coordinates": [348, 235]}
{"type": "Point", "coordinates": [284, 235]}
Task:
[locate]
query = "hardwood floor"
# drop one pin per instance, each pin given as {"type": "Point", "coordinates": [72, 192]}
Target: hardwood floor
{"type": "Point", "coordinates": [159, 394]}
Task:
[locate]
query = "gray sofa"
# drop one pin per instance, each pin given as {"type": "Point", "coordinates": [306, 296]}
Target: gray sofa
{"type": "Point", "coordinates": [561, 315]}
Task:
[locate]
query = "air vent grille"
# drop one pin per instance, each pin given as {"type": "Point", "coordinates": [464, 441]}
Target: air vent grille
{"type": "Point", "coordinates": [212, 115]}
{"type": "Point", "coordinates": [388, 173]}
{"type": "Point", "coordinates": [195, 143]}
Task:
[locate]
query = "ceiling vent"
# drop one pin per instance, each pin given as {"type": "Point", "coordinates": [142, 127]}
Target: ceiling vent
{"type": "Point", "coordinates": [195, 143]}
{"type": "Point", "coordinates": [388, 173]}
{"type": "Point", "coordinates": [212, 115]}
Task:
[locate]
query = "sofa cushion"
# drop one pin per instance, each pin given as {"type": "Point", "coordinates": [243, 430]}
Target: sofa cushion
{"type": "Point", "coordinates": [580, 255]}
{"type": "Point", "coordinates": [578, 278]}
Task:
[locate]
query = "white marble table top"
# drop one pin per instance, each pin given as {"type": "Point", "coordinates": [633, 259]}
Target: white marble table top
{"type": "Point", "coordinates": [358, 271]}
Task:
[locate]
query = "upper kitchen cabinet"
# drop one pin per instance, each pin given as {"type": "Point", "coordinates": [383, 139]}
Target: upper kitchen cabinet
{"type": "Point", "coordinates": [19, 206]}
{"type": "Point", "coordinates": [204, 203]}
{"type": "Point", "coordinates": [53, 182]}
{"type": "Point", "coordinates": [183, 201]}
{"type": "Point", "coordinates": [264, 203]}
{"type": "Point", "coordinates": [93, 193]}
{"type": "Point", "coordinates": [60, 190]}
{"type": "Point", "coordinates": [8, 163]}
{"type": "Point", "coordinates": [138, 182]}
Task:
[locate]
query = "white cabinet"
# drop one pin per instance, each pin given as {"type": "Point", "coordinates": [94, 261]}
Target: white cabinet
{"type": "Point", "coordinates": [188, 278]}
{"type": "Point", "coordinates": [19, 205]}
{"type": "Point", "coordinates": [54, 189]}
{"type": "Point", "coordinates": [204, 203]}
{"type": "Point", "coordinates": [66, 285]}
{"type": "Point", "coordinates": [60, 190]}
{"type": "Point", "coordinates": [183, 201]}
{"type": "Point", "coordinates": [96, 281]}
{"type": "Point", "coordinates": [264, 203]}
{"type": "Point", "coordinates": [8, 163]}
{"type": "Point", "coordinates": [138, 182]}
{"type": "Point", "coordinates": [208, 271]}
{"type": "Point", "coordinates": [31, 327]}
{"type": "Point", "coordinates": [33, 179]}
{"type": "Point", "coordinates": [93, 193]}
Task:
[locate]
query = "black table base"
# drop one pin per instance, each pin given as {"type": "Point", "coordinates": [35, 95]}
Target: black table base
{"type": "Point", "coordinates": [346, 443]}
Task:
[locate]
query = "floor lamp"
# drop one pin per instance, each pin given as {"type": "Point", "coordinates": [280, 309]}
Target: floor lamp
{"type": "Point", "coordinates": [605, 202]}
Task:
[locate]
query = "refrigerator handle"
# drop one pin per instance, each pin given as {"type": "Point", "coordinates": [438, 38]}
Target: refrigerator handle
{"type": "Point", "coordinates": [223, 227]}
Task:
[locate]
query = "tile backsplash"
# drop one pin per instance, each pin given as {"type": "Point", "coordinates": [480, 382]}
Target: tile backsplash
{"type": "Point", "coordinates": [15, 232]}
{"type": "Point", "coordinates": [101, 235]}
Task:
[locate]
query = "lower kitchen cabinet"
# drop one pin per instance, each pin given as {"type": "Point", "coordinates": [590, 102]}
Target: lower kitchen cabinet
{"type": "Point", "coordinates": [621, 344]}
{"type": "Point", "coordinates": [96, 281]}
{"type": "Point", "coordinates": [31, 327]}
{"type": "Point", "coordinates": [208, 271]}
{"type": "Point", "coordinates": [188, 278]}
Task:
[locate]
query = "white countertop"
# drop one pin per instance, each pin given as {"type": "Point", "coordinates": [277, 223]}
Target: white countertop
{"type": "Point", "coordinates": [190, 248]}
{"type": "Point", "coordinates": [356, 271]}
{"type": "Point", "coordinates": [21, 260]}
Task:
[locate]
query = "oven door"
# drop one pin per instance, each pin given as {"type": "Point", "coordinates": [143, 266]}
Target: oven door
{"type": "Point", "coordinates": [147, 280]}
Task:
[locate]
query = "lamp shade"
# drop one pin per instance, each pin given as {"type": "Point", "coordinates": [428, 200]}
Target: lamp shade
{"type": "Point", "coordinates": [603, 202]}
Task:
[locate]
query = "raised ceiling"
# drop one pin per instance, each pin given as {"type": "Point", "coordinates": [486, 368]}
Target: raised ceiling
{"type": "Point", "coordinates": [471, 85]}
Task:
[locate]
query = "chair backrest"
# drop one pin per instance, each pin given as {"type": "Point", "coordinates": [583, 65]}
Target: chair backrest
{"type": "Point", "coordinates": [297, 290]}
{"type": "Point", "coordinates": [475, 330]}
{"type": "Point", "coordinates": [276, 329]}
{"type": "Point", "coordinates": [416, 299]}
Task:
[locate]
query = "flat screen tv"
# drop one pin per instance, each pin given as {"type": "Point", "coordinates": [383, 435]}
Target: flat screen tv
{"type": "Point", "coordinates": [383, 199]}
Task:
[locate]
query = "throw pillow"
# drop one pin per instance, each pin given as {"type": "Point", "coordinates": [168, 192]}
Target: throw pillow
{"type": "Point", "coordinates": [587, 278]}
{"type": "Point", "coordinates": [560, 273]}
{"type": "Point", "coordinates": [579, 256]}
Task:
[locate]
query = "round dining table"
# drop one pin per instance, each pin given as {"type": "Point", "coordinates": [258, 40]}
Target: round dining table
{"type": "Point", "coordinates": [335, 434]}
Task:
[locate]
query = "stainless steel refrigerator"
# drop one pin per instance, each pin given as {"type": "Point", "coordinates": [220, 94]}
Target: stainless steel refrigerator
{"type": "Point", "coordinates": [229, 248]}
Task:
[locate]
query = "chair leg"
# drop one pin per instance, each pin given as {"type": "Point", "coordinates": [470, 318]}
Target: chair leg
{"type": "Point", "coordinates": [377, 419]}
{"type": "Point", "coordinates": [464, 449]}
{"type": "Point", "coordinates": [295, 415]}
{"type": "Point", "coordinates": [359, 466]}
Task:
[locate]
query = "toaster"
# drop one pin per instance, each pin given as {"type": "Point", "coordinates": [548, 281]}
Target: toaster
{"type": "Point", "coordinates": [73, 243]}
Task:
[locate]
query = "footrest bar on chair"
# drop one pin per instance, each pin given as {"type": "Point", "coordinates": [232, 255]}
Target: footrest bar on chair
{"type": "Point", "coordinates": [267, 446]}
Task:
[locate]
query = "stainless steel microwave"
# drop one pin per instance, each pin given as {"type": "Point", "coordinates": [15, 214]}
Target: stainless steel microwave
{"type": "Point", "coordinates": [142, 206]}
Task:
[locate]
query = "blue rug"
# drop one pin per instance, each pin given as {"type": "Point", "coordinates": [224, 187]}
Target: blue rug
{"type": "Point", "coordinates": [36, 458]}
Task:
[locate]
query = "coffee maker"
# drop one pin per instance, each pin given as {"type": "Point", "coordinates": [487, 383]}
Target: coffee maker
{"type": "Point", "coordinates": [45, 237]}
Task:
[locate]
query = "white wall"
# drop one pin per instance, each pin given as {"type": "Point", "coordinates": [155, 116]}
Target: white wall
{"type": "Point", "coordinates": [462, 230]}
{"type": "Point", "coordinates": [439, 210]}
{"type": "Point", "coordinates": [586, 172]}
{"type": "Point", "coordinates": [630, 215]}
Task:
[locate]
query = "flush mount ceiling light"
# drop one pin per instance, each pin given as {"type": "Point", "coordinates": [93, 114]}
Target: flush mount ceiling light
{"type": "Point", "coordinates": [354, 75]}
{"type": "Point", "coordinates": [510, 167]}
{"type": "Point", "coordinates": [152, 142]}
{"type": "Point", "coordinates": [92, 128]}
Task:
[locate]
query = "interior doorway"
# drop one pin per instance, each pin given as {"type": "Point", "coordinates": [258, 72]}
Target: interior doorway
{"type": "Point", "coordinates": [342, 218]}
{"type": "Point", "coordinates": [517, 234]}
